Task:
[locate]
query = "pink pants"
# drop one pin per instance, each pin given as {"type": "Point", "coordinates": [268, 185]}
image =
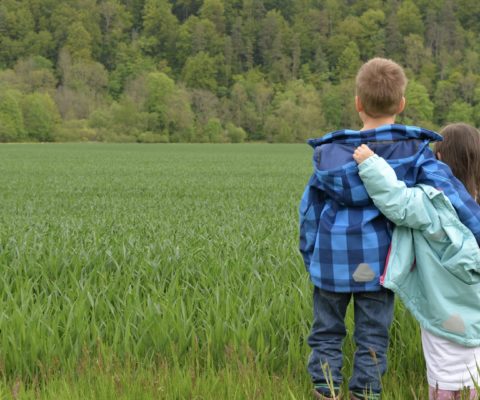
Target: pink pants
{"type": "Point", "coordinates": [438, 394]}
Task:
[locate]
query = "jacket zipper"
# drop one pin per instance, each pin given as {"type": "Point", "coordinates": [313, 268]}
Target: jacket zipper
{"type": "Point", "coordinates": [382, 277]}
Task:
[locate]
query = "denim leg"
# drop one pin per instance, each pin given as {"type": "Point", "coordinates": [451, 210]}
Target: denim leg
{"type": "Point", "coordinates": [327, 334]}
{"type": "Point", "coordinates": [373, 317]}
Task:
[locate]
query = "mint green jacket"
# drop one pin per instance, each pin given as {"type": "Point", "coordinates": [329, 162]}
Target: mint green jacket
{"type": "Point", "coordinates": [434, 260]}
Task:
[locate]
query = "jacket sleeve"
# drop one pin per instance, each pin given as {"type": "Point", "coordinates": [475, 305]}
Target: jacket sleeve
{"type": "Point", "coordinates": [311, 206]}
{"type": "Point", "coordinates": [439, 175]}
{"type": "Point", "coordinates": [402, 205]}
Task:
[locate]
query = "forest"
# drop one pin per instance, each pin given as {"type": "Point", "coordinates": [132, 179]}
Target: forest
{"type": "Point", "coordinates": [225, 70]}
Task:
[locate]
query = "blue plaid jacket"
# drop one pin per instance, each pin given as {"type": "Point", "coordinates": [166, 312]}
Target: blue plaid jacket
{"type": "Point", "coordinates": [344, 239]}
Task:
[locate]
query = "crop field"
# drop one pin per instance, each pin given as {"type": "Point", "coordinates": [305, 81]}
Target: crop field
{"type": "Point", "coordinates": [162, 272]}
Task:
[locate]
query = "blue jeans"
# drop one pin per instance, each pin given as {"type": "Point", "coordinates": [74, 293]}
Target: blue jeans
{"type": "Point", "coordinates": [373, 313]}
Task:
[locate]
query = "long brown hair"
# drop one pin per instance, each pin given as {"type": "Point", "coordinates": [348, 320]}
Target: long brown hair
{"type": "Point", "coordinates": [460, 150]}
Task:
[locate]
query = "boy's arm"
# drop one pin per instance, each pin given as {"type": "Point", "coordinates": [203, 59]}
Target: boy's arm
{"type": "Point", "coordinates": [438, 175]}
{"type": "Point", "coordinates": [309, 212]}
{"type": "Point", "coordinates": [402, 205]}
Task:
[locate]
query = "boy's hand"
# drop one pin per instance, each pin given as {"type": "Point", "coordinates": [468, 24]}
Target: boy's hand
{"type": "Point", "coordinates": [361, 153]}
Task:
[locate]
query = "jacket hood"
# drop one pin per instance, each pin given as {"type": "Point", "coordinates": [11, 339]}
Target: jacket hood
{"type": "Point", "coordinates": [337, 173]}
{"type": "Point", "coordinates": [383, 133]}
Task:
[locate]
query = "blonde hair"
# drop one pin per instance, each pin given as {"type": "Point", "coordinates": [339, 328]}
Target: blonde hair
{"type": "Point", "coordinates": [380, 86]}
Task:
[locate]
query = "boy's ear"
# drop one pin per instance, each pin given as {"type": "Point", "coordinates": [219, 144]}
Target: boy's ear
{"type": "Point", "coordinates": [439, 156]}
{"type": "Point", "coordinates": [358, 104]}
{"type": "Point", "coordinates": [401, 106]}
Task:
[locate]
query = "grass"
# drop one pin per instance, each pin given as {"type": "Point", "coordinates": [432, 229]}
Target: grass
{"type": "Point", "coordinates": [162, 271]}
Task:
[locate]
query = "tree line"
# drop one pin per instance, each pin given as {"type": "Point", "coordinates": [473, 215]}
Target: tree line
{"type": "Point", "coordinates": [225, 70]}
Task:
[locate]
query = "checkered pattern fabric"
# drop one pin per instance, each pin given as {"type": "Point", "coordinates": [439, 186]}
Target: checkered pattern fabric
{"type": "Point", "coordinates": [340, 228]}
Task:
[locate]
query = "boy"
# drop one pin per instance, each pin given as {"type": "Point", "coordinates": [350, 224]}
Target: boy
{"type": "Point", "coordinates": [344, 239]}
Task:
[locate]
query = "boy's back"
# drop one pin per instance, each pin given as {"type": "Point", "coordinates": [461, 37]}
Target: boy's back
{"type": "Point", "coordinates": [349, 237]}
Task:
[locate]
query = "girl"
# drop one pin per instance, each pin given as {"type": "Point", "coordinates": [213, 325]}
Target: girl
{"type": "Point", "coordinates": [434, 260]}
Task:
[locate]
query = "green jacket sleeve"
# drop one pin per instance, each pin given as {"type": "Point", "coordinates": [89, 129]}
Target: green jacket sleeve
{"type": "Point", "coordinates": [402, 205]}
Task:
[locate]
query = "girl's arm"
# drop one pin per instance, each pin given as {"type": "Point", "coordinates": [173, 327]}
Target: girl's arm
{"type": "Point", "coordinates": [402, 205]}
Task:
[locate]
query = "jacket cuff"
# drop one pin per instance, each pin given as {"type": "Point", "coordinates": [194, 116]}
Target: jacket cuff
{"type": "Point", "coordinates": [368, 162]}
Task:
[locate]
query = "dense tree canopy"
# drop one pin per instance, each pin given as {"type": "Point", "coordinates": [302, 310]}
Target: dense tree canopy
{"type": "Point", "coordinates": [225, 70]}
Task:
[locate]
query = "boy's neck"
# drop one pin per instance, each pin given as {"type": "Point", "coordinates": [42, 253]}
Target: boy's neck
{"type": "Point", "coordinates": [372, 123]}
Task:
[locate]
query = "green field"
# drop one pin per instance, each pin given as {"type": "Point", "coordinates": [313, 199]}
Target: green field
{"type": "Point", "coordinates": [162, 272]}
